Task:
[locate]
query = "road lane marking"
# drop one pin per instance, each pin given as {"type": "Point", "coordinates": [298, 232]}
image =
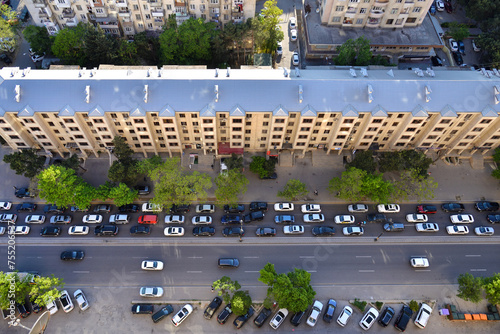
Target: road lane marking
{"type": "Point", "coordinates": [472, 255]}
{"type": "Point", "coordinates": [423, 270]}
{"type": "Point", "coordinates": [81, 271]}
{"type": "Point", "coordinates": [366, 271]}
{"type": "Point", "coordinates": [306, 257]}
{"type": "Point", "coordinates": [194, 272]}
{"type": "Point", "coordinates": [250, 257]}
{"type": "Point", "coordinates": [136, 272]}
{"type": "Point", "coordinates": [311, 271]}
{"type": "Point", "coordinates": [478, 270]}
{"type": "Point", "coordinates": [139, 257]}
{"type": "Point", "coordinates": [252, 271]}
{"type": "Point", "coordinates": [195, 257]}
{"type": "Point", "coordinates": [363, 256]}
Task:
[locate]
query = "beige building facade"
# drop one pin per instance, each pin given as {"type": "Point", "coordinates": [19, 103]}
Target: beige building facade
{"type": "Point", "coordinates": [169, 111]}
{"type": "Point", "coordinates": [129, 17]}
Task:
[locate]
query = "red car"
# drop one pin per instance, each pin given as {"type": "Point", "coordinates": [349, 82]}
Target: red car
{"type": "Point", "coordinates": [148, 219]}
{"type": "Point", "coordinates": [424, 208]}
{"type": "Point", "coordinates": [447, 6]}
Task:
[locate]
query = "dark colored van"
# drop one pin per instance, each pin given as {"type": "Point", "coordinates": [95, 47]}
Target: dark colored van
{"type": "Point", "coordinates": [228, 263]}
{"type": "Point", "coordinates": [297, 318]}
{"type": "Point", "coordinates": [252, 216]}
{"type": "Point", "coordinates": [106, 230]}
{"type": "Point", "coordinates": [142, 309]}
{"type": "Point", "coordinates": [162, 313]}
{"type": "Point", "coordinates": [403, 318]}
{"type": "Point", "coordinates": [394, 227]}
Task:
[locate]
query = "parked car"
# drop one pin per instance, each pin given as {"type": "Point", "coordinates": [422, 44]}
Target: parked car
{"type": "Point", "coordinates": [462, 219]}
{"type": "Point", "coordinates": [36, 57]}
{"type": "Point", "coordinates": [314, 218]}
{"type": "Point", "coordinates": [376, 218]}
{"type": "Point", "coordinates": [151, 265]}
{"type": "Point", "coordinates": [425, 208]}
{"type": "Point", "coordinates": [458, 58]}
{"type": "Point", "coordinates": [265, 232]}
{"type": "Point", "coordinates": [261, 318]}
{"type": "Point", "coordinates": [179, 209]}
{"type": "Point", "coordinates": [419, 262]}
{"type": "Point", "coordinates": [293, 229]}
{"type": "Point", "coordinates": [323, 231]}
{"type": "Point", "coordinates": [486, 206]}
{"type": "Point", "coordinates": [174, 219]}
{"type": "Point", "coordinates": [106, 230]}
{"type": "Point", "coordinates": [19, 230]}
{"type": "Point", "coordinates": [173, 231]}
{"type": "Point", "coordinates": [151, 291]}
{"type": "Point", "coordinates": [5, 59]}
{"type": "Point", "coordinates": [60, 219]}
{"type": "Point", "coordinates": [198, 220]}
{"type": "Point", "coordinates": [423, 316]}
{"type": "Point", "coordinates": [212, 308]}
{"type": "Point", "coordinates": [448, 7]}
{"type": "Point", "coordinates": [440, 5]}
{"type": "Point", "coordinates": [30, 207]}
{"type": "Point", "coordinates": [386, 316]}
{"type": "Point", "coordinates": [106, 208]}
{"type": "Point", "coordinates": [344, 316]}
{"type": "Point", "coordinates": [427, 227]}
{"type": "Point", "coordinates": [50, 231]}
{"type": "Point", "coordinates": [183, 313]}
{"type": "Point", "coordinates": [254, 216]}
{"type": "Point", "coordinates": [475, 47]}
{"type": "Point", "coordinates": [388, 208]}
{"type": "Point", "coordinates": [296, 319]}
{"type": "Point", "coordinates": [78, 230]}
{"type": "Point", "coordinates": [9, 218]}
{"type": "Point", "coordinates": [203, 231]}
{"type": "Point", "coordinates": [140, 230]}
{"type": "Point", "coordinates": [357, 208]}
{"type": "Point", "coordinates": [330, 310]}
{"type": "Point", "coordinates": [484, 231]}
{"type": "Point", "coordinates": [457, 229]}
{"type": "Point", "coordinates": [293, 22]}
{"type": "Point", "coordinates": [142, 190]}
{"type": "Point", "coordinates": [51, 306]}
{"type": "Point", "coordinates": [92, 219]}
{"type": "Point", "coordinates": [283, 207]}
{"type": "Point", "coordinates": [416, 218]}
{"type": "Point", "coordinates": [77, 209]}
{"type": "Point", "coordinates": [148, 219]}
{"type": "Point", "coordinates": [461, 47]}
{"type": "Point", "coordinates": [310, 208]}
{"type": "Point", "coordinates": [23, 310]}
{"type": "Point", "coordinates": [224, 314]}
{"type": "Point", "coordinates": [234, 209]}
{"type": "Point", "coordinates": [432, 9]}
{"type": "Point", "coordinates": [279, 49]}
{"type": "Point", "coordinates": [142, 309]}
{"type": "Point", "coordinates": [494, 219]}
{"type": "Point", "coordinates": [231, 219]}
{"type": "Point", "coordinates": [162, 313]}
{"type": "Point", "coordinates": [23, 193]}
{"type": "Point", "coordinates": [353, 230]}
{"type": "Point", "coordinates": [403, 318]}
{"type": "Point", "coordinates": [453, 207]}
{"type": "Point", "coordinates": [34, 219]}
{"type": "Point", "coordinates": [284, 219]}
{"type": "Point", "coordinates": [72, 256]}
{"type": "Point", "coordinates": [205, 208]}
{"type": "Point", "coordinates": [150, 207]}
{"type": "Point", "coordinates": [81, 300]}
{"type": "Point", "coordinates": [368, 319]}
{"type": "Point", "coordinates": [242, 319]}
{"type": "Point", "coordinates": [52, 208]}
{"type": "Point", "coordinates": [293, 35]}
{"type": "Point", "coordinates": [295, 58]}
{"type": "Point", "coordinates": [132, 208]}
{"type": "Point", "coordinates": [66, 303]}
{"type": "Point", "coordinates": [258, 206]}
{"type": "Point", "coordinates": [233, 232]}
{"type": "Point", "coordinates": [394, 227]}
{"type": "Point", "coordinates": [452, 43]}
{"type": "Point", "coordinates": [119, 219]}
{"type": "Point", "coordinates": [344, 219]}
{"type": "Point", "coordinates": [278, 318]}
{"type": "Point", "coordinates": [436, 60]}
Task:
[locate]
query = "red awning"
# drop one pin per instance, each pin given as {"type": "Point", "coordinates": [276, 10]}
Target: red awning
{"type": "Point", "coordinates": [225, 149]}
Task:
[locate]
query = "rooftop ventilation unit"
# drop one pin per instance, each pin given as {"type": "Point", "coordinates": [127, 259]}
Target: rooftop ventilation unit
{"type": "Point", "coordinates": [17, 90]}
{"type": "Point", "coordinates": [216, 72]}
{"type": "Point", "coordinates": [26, 71]}
{"type": "Point", "coordinates": [227, 72]}
{"type": "Point", "coordinates": [430, 72]}
{"type": "Point", "coordinates": [419, 72]}
{"type": "Point", "coordinates": [301, 94]}
{"type": "Point", "coordinates": [285, 72]}
{"type": "Point", "coordinates": [352, 72]}
{"type": "Point", "coordinates": [216, 91]}
{"type": "Point", "coordinates": [364, 72]}
{"type": "Point", "coordinates": [297, 72]}
{"type": "Point", "coordinates": [145, 93]}
{"type": "Point", "coordinates": [496, 72]}
{"type": "Point", "coordinates": [87, 94]}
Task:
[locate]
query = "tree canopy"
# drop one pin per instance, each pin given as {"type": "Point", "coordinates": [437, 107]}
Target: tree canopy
{"type": "Point", "coordinates": [229, 186]}
{"type": "Point", "coordinates": [225, 287]}
{"type": "Point", "coordinates": [293, 190]}
{"type": "Point", "coordinates": [125, 169]}
{"type": "Point", "coordinates": [266, 29]}
{"type": "Point", "coordinates": [240, 302]}
{"type": "Point", "coordinates": [363, 160]}
{"type": "Point", "coordinates": [262, 167]}
{"type": "Point", "coordinates": [354, 52]}
{"type": "Point", "coordinates": [25, 162]}
{"type": "Point", "coordinates": [38, 38]}
{"type": "Point", "coordinates": [469, 288]}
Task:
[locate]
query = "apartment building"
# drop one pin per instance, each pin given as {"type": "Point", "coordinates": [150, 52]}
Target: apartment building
{"type": "Point", "coordinates": [129, 17]}
{"type": "Point", "coordinates": [374, 13]}
{"type": "Point", "coordinates": [168, 111]}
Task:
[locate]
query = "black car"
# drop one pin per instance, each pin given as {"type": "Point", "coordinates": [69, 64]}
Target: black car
{"type": "Point", "coordinates": [458, 58]}
{"type": "Point", "coordinates": [179, 209]}
{"type": "Point", "coordinates": [386, 316]}
{"type": "Point", "coordinates": [436, 61]}
{"type": "Point", "coordinates": [376, 218]}
{"type": "Point", "coordinates": [242, 319]}
{"type": "Point", "coordinates": [52, 208]}
{"type": "Point", "coordinates": [23, 310]}
{"type": "Point", "coordinates": [74, 208]}
{"type": "Point", "coordinates": [234, 209]}
{"type": "Point", "coordinates": [30, 207]}
{"type": "Point", "coordinates": [132, 208]}
{"type": "Point", "coordinates": [231, 219]}
{"type": "Point", "coordinates": [330, 310]}
{"type": "Point", "coordinates": [5, 59]}
{"type": "Point", "coordinates": [106, 208]}
{"type": "Point", "coordinates": [72, 255]}
{"type": "Point", "coordinates": [486, 206]}
{"type": "Point", "coordinates": [284, 219]}
{"type": "Point", "coordinates": [212, 308]}
{"type": "Point", "coordinates": [403, 318]}
{"type": "Point", "coordinates": [35, 307]}
{"type": "Point", "coordinates": [262, 317]}
{"type": "Point", "coordinates": [203, 231]}
{"type": "Point", "coordinates": [23, 193]}
{"type": "Point", "coordinates": [254, 216]}
{"type": "Point", "coordinates": [323, 231]}
{"type": "Point", "coordinates": [142, 309]}
{"type": "Point", "coordinates": [453, 207]}
{"type": "Point", "coordinates": [224, 314]}
{"type": "Point", "coordinates": [140, 229]}
{"type": "Point", "coordinates": [265, 232]}
{"type": "Point", "coordinates": [426, 208]}
{"type": "Point", "coordinates": [162, 313]}
{"type": "Point", "coordinates": [106, 230]}
{"type": "Point", "coordinates": [142, 190]}
{"type": "Point", "coordinates": [258, 206]}
{"type": "Point", "coordinates": [272, 176]}
{"type": "Point", "coordinates": [233, 232]}
{"type": "Point", "coordinates": [494, 219]}
{"type": "Point", "coordinates": [297, 318]}
{"type": "Point", "coordinates": [51, 231]}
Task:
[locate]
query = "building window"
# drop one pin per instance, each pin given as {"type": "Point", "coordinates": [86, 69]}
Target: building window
{"type": "Point", "coordinates": [362, 11]}
{"type": "Point", "coordinates": [237, 120]}
{"type": "Point", "coordinates": [207, 121]}
{"type": "Point", "coordinates": [336, 19]}
{"type": "Point", "coordinates": [445, 121]}
{"type": "Point", "coordinates": [359, 21]}
{"type": "Point", "coordinates": [305, 129]}
{"type": "Point", "coordinates": [389, 21]}
{"type": "Point", "coordinates": [277, 129]}
{"type": "Point", "coordinates": [339, 8]}
{"type": "Point", "coordinates": [485, 121]}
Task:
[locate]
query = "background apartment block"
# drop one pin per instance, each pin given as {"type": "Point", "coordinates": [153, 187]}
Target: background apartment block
{"type": "Point", "coordinates": [129, 17]}
{"type": "Point", "coordinates": [169, 111]}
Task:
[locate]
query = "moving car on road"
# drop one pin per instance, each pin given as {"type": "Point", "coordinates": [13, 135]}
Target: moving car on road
{"type": "Point", "coordinates": [151, 291]}
{"type": "Point", "coordinates": [419, 262]}
{"type": "Point", "coordinates": [151, 265]}
{"type": "Point", "coordinates": [72, 255]}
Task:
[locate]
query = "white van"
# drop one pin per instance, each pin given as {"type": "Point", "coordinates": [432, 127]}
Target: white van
{"type": "Point", "coordinates": [423, 316]}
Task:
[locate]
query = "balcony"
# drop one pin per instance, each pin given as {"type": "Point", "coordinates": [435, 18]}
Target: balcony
{"type": "Point", "coordinates": [39, 3]}
{"type": "Point", "coordinates": [157, 12]}
{"type": "Point", "coordinates": [72, 22]}
{"type": "Point", "coordinates": [64, 4]}
{"type": "Point", "coordinates": [155, 2]}
{"type": "Point", "coordinates": [124, 12]}
{"type": "Point", "coordinates": [237, 8]}
{"type": "Point", "coordinates": [43, 13]}
{"type": "Point", "coordinates": [179, 3]}
{"type": "Point", "coordinates": [382, 2]}
{"type": "Point", "coordinates": [158, 20]}
{"type": "Point", "coordinates": [121, 3]}
{"type": "Point", "coordinates": [97, 3]}
{"type": "Point", "coordinates": [377, 13]}
{"type": "Point", "coordinates": [238, 19]}
{"type": "Point", "coordinates": [373, 22]}
{"type": "Point", "coordinates": [68, 13]}
{"type": "Point", "coordinates": [108, 25]}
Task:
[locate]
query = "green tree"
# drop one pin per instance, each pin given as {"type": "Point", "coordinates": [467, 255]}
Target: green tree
{"type": "Point", "coordinates": [125, 169]}
{"type": "Point", "coordinates": [349, 186]}
{"type": "Point", "coordinates": [491, 287]}
{"type": "Point", "coordinates": [25, 162]}
{"type": "Point", "coordinates": [123, 195]}
{"type": "Point", "coordinates": [416, 161]}
{"type": "Point", "coordinates": [45, 289]}
{"type": "Point", "coordinates": [496, 158]}
{"type": "Point", "coordinates": [292, 290]}
{"type": "Point", "coordinates": [413, 305]}
{"type": "Point", "coordinates": [470, 288]}
{"type": "Point", "coordinates": [354, 52]}
{"type": "Point", "coordinates": [148, 47]}
{"type": "Point", "coordinates": [21, 289]}
{"type": "Point", "coordinates": [144, 166]}
{"type": "Point", "coordinates": [229, 186]}
{"type": "Point", "coordinates": [38, 38]}
{"type": "Point", "coordinates": [122, 150]}
{"type": "Point", "coordinates": [8, 31]}
{"type": "Point", "coordinates": [412, 184]}
{"type": "Point", "coordinates": [240, 302]}
{"type": "Point", "coordinates": [390, 161]}
{"type": "Point", "coordinates": [102, 192]}
{"type": "Point", "coordinates": [266, 28]}
{"type": "Point", "coordinates": [458, 31]}
{"type": "Point", "coordinates": [225, 287]}
{"type": "Point", "coordinates": [363, 160]}
{"type": "Point", "coordinates": [234, 162]}
{"type": "Point", "coordinates": [262, 167]}
{"type": "Point", "coordinates": [99, 48]}
{"type": "Point", "coordinates": [293, 190]}
{"type": "Point", "coordinates": [69, 44]}
{"type": "Point", "coordinates": [72, 162]}
{"type": "Point", "coordinates": [376, 188]}
{"type": "Point", "coordinates": [127, 53]}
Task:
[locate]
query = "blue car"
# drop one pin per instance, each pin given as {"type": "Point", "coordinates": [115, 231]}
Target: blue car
{"type": "Point", "coordinates": [432, 10]}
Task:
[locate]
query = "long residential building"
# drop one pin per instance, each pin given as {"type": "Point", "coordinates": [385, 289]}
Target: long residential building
{"type": "Point", "coordinates": [129, 17]}
{"type": "Point", "coordinates": [168, 111]}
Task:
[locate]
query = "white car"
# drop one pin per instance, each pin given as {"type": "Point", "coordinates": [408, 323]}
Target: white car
{"type": "Point", "coordinates": [78, 230]}
{"type": "Point", "coordinates": [315, 312]}
{"type": "Point", "coordinates": [439, 5]}
{"type": "Point", "coordinates": [81, 300]}
{"type": "Point", "coordinates": [453, 45]}
{"type": "Point", "coordinates": [416, 218]}
{"type": "Point", "coordinates": [151, 265]}
{"type": "Point", "coordinates": [475, 46]}
{"type": "Point", "coordinates": [427, 227]}
{"type": "Point", "coordinates": [92, 219]}
{"type": "Point", "coordinates": [353, 230]}
{"type": "Point", "coordinates": [344, 219]}
{"type": "Point", "coordinates": [197, 220]}
{"type": "Point", "coordinates": [2, 230]}
{"type": "Point", "coordinates": [295, 58]}
{"type": "Point", "coordinates": [283, 207]}
{"type": "Point", "coordinates": [293, 22]}
{"type": "Point", "coordinates": [484, 231]}
{"type": "Point", "coordinates": [19, 230]}
{"type": "Point", "coordinates": [457, 229]}
{"type": "Point", "coordinates": [462, 219]}
{"type": "Point", "coordinates": [150, 207]}
{"type": "Point", "coordinates": [357, 208]}
{"type": "Point", "coordinates": [34, 219]}
{"type": "Point", "coordinates": [293, 35]}
{"type": "Point", "coordinates": [151, 291]}
{"type": "Point", "coordinates": [344, 316]}
{"type": "Point", "coordinates": [5, 205]}
{"type": "Point", "coordinates": [293, 229]}
{"type": "Point", "coordinates": [314, 218]}
{"type": "Point", "coordinates": [419, 262]}
{"type": "Point", "coordinates": [310, 208]}
{"type": "Point", "coordinates": [174, 219]}
{"type": "Point", "coordinates": [279, 49]}
{"type": "Point", "coordinates": [278, 318]}
{"type": "Point", "coordinates": [66, 303]}
{"type": "Point", "coordinates": [183, 313]}
{"type": "Point", "coordinates": [388, 208]}
{"type": "Point", "coordinates": [119, 219]}
{"type": "Point", "coordinates": [8, 218]}
{"type": "Point", "coordinates": [205, 208]}
{"type": "Point", "coordinates": [173, 231]}
{"type": "Point", "coordinates": [51, 306]}
{"type": "Point", "coordinates": [368, 319]}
